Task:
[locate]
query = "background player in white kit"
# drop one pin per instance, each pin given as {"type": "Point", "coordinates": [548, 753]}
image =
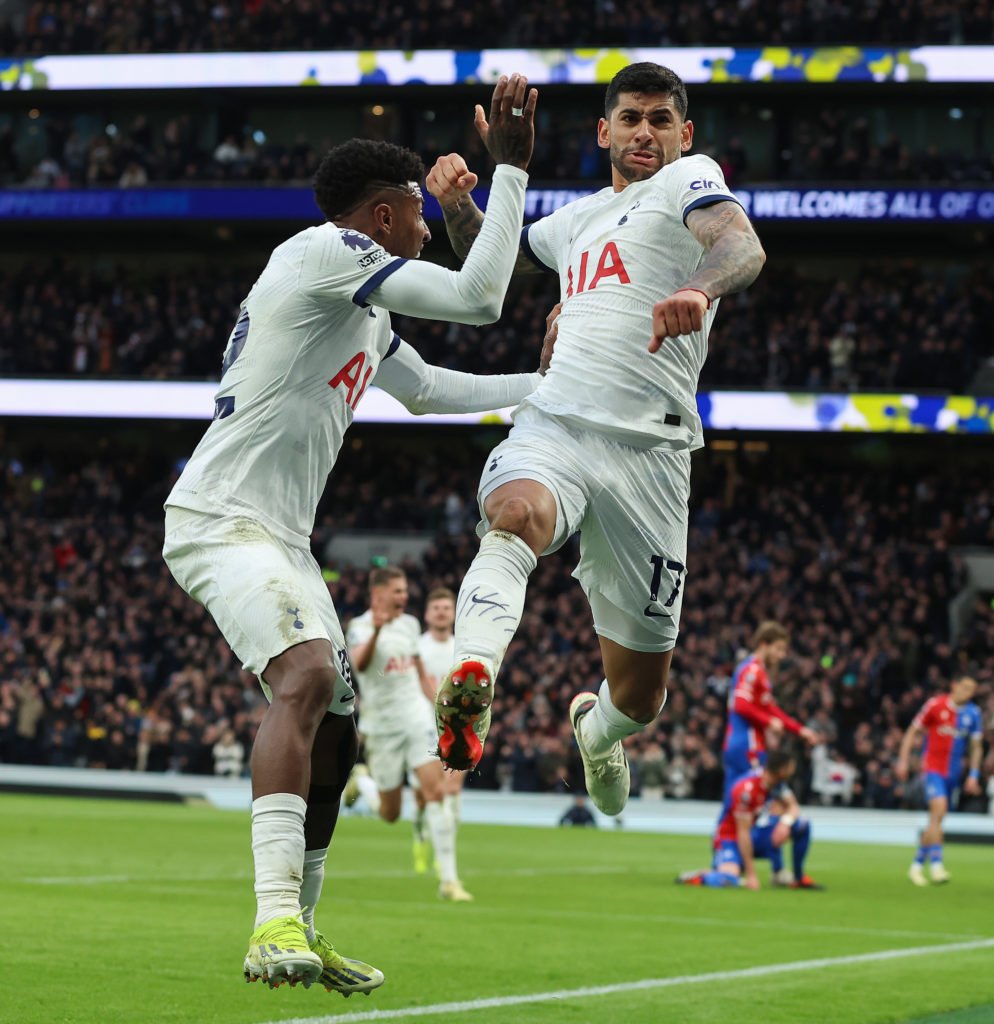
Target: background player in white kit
{"type": "Point", "coordinates": [603, 445]}
{"type": "Point", "coordinates": [396, 719]}
{"type": "Point", "coordinates": [438, 650]}
{"type": "Point", "coordinates": [310, 338]}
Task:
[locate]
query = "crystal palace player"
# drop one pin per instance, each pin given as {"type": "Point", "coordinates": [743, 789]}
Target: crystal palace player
{"type": "Point", "coordinates": [751, 709]}
{"type": "Point", "coordinates": [738, 842]}
{"type": "Point", "coordinates": [602, 448]}
{"type": "Point", "coordinates": [313, 333]}
{"type": "Point", "coordinates": [949, 721]}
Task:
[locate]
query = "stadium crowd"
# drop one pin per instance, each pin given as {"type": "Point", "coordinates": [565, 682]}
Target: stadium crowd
{"type": "Point", "coordinates": [820, 144]}
{"type": "Point", "coordinates": [106, 26]}
{"type": "Point", "coordinates": [890, 326]}
{"type": "Point", "coordinates": [105, 662]}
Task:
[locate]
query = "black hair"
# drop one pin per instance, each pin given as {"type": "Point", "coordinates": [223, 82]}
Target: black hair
{"type": "Point", "coordinates": [355, 169]}
{"type": "Point", "coordinates": [647, 77]}
{"type": "Point", "coordinates": [777, 760]}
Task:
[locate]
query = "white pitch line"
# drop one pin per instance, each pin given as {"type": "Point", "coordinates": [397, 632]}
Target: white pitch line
{"type": "Point", "coordinates": [636, 986]}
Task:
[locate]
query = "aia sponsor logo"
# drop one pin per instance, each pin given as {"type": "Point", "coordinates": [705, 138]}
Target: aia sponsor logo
{"type": "Point", "coordinates": [609, 265]}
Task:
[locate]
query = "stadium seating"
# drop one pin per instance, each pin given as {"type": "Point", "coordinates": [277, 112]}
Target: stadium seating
{"type": "Point", "coordinates": [109, 27]}
{"type": "Point", "coordinates": [105, 662]}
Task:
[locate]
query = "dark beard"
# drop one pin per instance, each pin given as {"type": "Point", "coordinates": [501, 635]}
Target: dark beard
{"type": "Point", "coordinates": [631, 174]}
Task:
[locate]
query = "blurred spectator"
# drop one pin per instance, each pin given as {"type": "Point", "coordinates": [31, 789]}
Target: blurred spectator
{"type": "Point", "coordinates": [228, 754]}
{"type": "Point", "coordinates": [578, 814]}
{"type": "Point", "coordinates": [104, 661]}
{"type": "Point", "coordinates": [890, 326]}
{"type": "Point", "coordinates": [105, 26]}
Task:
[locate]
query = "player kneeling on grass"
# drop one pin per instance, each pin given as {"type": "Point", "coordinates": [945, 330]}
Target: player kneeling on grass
{"type": "Point", "coordinates": [739, 842]}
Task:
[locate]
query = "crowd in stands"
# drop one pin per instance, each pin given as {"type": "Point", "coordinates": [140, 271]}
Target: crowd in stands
{"type": "Point", "coordinates": [105, 26]}
{"type": "Point", "coordinates": [105, 662]}
{"type": "Point", "coordinates": [891, 326]}
{"type": "Point", "coordinates": [819, 145]}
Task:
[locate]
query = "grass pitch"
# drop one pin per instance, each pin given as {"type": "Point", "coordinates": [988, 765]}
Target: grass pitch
{"type": "Point", "coordinates": [126, 912]}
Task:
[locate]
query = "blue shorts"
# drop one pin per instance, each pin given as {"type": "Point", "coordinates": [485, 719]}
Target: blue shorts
{"type": "Point", "coordinates": [727, 852]}
{"type": "Point", "coordinates": [937, 785]}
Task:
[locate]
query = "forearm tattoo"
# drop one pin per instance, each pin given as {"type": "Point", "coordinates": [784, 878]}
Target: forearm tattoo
{"type": "Point", "coordinates": [463, 223]}
{"type": "Point", "coordinates": [735, 255]}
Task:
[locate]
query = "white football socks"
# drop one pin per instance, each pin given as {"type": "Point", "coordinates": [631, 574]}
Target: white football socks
{"type": "Point", "coordinates": [603, 725]}
{"type": "Point", "coordinates": [419, 822]}
{"type": "Point", "coordinates": [454, 803]}
{"type": "Point", "coordinates": [278, 849]}
{"type": "Point", "coordinates": [443, 839]}
{"type": "Point", "coordinates": [492, 597]}
{"type": "Point", "coordinates": [369, 792]}
{"type": "Point", "coordinates": [310, 889]}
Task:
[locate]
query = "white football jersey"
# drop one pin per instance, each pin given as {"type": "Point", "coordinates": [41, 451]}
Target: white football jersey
{"type": "Point", "coordinates": [390, 694]}
{"type": "Point", "coordinates": [301, 355]}
{"type": "Point", "coordinates": [617, 254]}
{"type": "Point", "coordinates": [437, 656]}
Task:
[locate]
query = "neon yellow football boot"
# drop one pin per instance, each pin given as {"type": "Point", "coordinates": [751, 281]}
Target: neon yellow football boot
{"type": "Point", "coordinates": [342, 973]}
{"type": "Point", "coordinates": [421, 849]}
{"type": "Point", "coordinates": [278, 952]}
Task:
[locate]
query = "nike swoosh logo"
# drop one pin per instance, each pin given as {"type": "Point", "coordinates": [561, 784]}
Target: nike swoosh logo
{"type": "Point", "coordinates": [345, 700]}
{"type": "Point", "coordinates": [653, 614]}
{"type": "Point", "coordinates": [486, 600]}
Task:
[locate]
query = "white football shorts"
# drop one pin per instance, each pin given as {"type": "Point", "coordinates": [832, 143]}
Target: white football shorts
{"type": "Point", "coordinates": [630, 508]}
{"type": "Point", "coordinates": [265, 595]}
{"type": "Point", "coordinates": [390, 756]}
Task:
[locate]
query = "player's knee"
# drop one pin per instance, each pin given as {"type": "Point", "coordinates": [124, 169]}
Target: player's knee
{"type": "Point", "coordinates": [432, 791]}
{"type": "Point", "coordinates": [643, 706]}
{"type": "Point", "coordinates": [515, 515]}
{"type": "Point", "coordinates": [389, 814]}
{"type": "Point", "coordinates": [308, 691]}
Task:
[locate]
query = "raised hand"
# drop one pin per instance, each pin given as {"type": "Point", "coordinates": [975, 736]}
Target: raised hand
{"type": "Point", "coordinates": [450, 180]}
{"type": "Point", "coordinates": [509, 135]}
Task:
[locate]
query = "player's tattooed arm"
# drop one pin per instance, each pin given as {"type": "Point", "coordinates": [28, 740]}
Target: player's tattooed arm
{"type": "Point", "coordinates": [734, 253]}
{"type": "Point", "coordinates": [450, 181]}
{"type": "Point", "coordinates": [464, 221]}
{"type": "Point", "coordinates": [733, 261]}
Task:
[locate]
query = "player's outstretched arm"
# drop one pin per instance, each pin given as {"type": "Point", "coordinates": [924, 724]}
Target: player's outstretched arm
{"type": "Point", "coordinates": [743, 828]}
{"type": "Point", "coordinates": [422, 388]}
{"type": "Point", "coordinates": [451, 182]}
{"type": "Point", "coordinates": [475, 294]}
{"type": "Point", "coordinates": [972, 783]}
{"type": "Point", "coordinates": [904, 754]}
{"type": "Point", "coordinates": [734, 259]}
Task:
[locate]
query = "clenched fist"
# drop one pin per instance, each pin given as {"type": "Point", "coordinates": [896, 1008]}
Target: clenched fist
{"type": "Point", "coordinates": [682, 313]}
{"type": "Point", "coordinates": [449, 180]}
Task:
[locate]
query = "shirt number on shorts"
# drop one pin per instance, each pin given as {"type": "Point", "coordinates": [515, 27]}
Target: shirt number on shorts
{"type": "Point", "coordinates": [659, 562]}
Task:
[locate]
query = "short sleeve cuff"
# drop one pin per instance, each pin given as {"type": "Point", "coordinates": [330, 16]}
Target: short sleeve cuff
{"type": "Point", "coordinates": [527, 249]}
{"type": "Point", "coordinates": [708, 201]}
{"type": "Point", "coordinates": [374, 281]}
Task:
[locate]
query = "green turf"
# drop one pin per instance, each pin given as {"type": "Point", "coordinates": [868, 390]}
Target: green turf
{"type": "Point", "coordinates": [973, 1015]}
{"type": "Point", "coordinates": [132, 912]}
